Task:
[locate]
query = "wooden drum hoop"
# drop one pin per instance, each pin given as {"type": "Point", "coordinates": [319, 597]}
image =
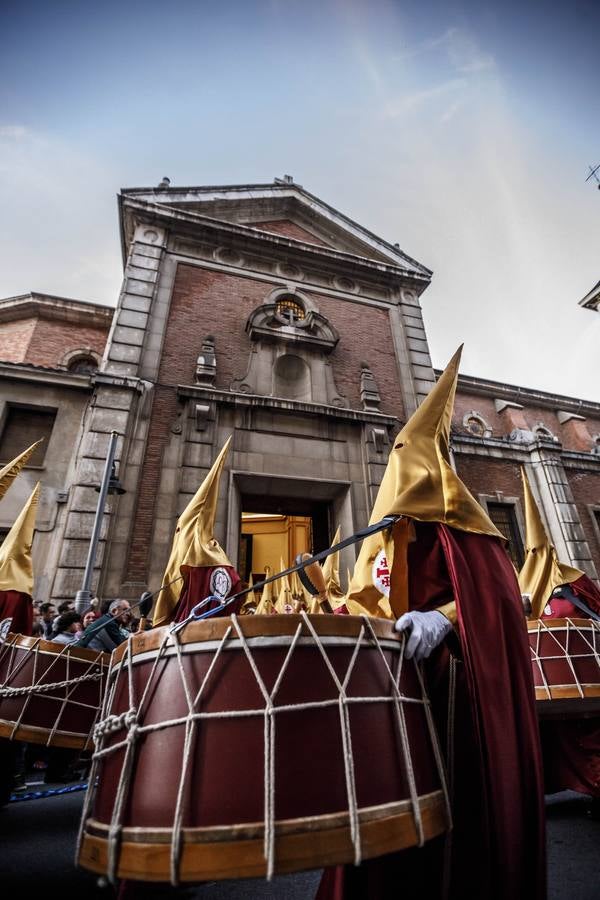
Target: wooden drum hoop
{"type": "Point", "coordinates": [565, 656]}
{"type": "Point", "coordinates": [231, 687]}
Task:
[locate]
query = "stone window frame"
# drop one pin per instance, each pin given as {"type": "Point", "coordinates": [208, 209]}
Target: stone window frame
{"type": "Point", "coordinates": [594, 511]}
{"type": "Point", "coordinates": [474, 415]}
{"type": "Point", "coordinates": [515, 502]}
{"type": "Point", "coordinates": [291, 291]}
{"type": "Point", "coordinates": [542, 432]}
{"type": "Point", "coordinates": [596, 444]}
{"type": "Point", "coordinates": [6, 406]}
{"type": "Point", "coordinates": [72, 356]}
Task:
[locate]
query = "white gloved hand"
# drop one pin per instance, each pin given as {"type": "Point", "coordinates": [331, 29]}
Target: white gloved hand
{"type": "Point", "coordinates": [426, 631]}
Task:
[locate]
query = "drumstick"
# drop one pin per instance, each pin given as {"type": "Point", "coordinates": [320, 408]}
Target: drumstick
{"type": "Point", "coordinates": [313, 580]}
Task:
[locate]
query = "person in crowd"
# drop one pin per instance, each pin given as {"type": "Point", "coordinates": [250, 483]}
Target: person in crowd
{"type": "Point", "coordinates": [64, 607]}
{"type": "Point", "coordinates": [47, 617]}
{"type": "Point", "coordinates": [109, 630]}
{"type": "Point", "coordinates": [67, 628]}
{"type": "Point", "coordinates": [89, 617]}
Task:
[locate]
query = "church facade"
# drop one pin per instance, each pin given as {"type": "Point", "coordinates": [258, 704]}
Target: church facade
{"type": "Point", "coordinates": [261, 312]}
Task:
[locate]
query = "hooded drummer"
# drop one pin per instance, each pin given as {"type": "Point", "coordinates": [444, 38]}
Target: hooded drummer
{"type": "Point", "coordinates": [198, 568]}
{"type": "Point", "coordinates": [454, 593]}
{"type": "Point", "coordinates": [571, 748]}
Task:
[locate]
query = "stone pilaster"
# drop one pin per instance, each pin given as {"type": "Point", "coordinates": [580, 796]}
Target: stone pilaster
{"type": "Point", "coordinates": [412, 350]}
{"type": "Point", "coordinates": [559, 508]}
{"type": "Point", "coordinates": [128, 333]}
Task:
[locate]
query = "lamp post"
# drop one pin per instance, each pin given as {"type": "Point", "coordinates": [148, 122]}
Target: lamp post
{"type": "Point", "coordinates": [110, 485]}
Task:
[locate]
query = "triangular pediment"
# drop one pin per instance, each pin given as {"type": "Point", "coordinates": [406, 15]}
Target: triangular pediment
{"type": "Point", "coordinates": [284, 209]}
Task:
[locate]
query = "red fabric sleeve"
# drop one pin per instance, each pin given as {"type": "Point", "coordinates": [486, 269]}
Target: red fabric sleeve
{"type": "Point", "coordinates": [18, 607]}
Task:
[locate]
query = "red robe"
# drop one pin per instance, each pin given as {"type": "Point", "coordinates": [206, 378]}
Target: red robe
{"type": "Point", "coordinates": [497, 844]}
{"type": "Point", "coordinates": [197, 586]}
{"type": "Point", "coordinates": [18, 607]}
{"type": "Point", "coordinates": [571, 747]}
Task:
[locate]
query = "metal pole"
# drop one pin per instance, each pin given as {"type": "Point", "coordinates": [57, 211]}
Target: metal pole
{"type": "Point", "coordinates": [84, 597]}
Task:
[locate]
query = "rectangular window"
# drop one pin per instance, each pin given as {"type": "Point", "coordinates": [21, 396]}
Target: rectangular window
{"type": "Point", "coordinates": [23, 426]}
{"type": "Point", "coordinates": [504, 517]}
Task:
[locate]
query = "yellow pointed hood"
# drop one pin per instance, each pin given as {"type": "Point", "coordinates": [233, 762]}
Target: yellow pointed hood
{"type": "Point", "coordinates": [284, 595]}
{"type": "Point", "coordinates": [541, 572]}
{"type": "Point", "coordinates": [419, 483]}
{"type": "Point", "coordinates": [194, 544]}
{"type": "Point", "coordinates": [265, 604]}
{"type": "Point", "coordinates": [10, 471]}
{"type": "Point", "coordinates": [331, 569]}
{"type": "Point", "coordinates": [249, 600]}
{"type": "Point", "coordinates": [16, 567]}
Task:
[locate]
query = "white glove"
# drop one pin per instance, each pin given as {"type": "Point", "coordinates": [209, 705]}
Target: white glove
{"type": "Point", "coordinates": [426, 631]}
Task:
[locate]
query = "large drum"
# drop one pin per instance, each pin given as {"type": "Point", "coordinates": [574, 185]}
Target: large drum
{"type": "Point", "coordinates": [266, 744]}
{"type": "Point", "coordinates": [50, 693]}
{"type": "Point", "coordinates": [565, 655]}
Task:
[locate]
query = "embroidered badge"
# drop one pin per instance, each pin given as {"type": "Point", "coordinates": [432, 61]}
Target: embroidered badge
{"type": "Point", "coordinates": [4, 629]}
{"type": "Point", "coordinates": [220, 582]}
{"type": "Point", "coordinates": [381, 574]}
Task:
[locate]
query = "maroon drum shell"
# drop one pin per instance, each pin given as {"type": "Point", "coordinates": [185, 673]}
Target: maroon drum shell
{"type": "Point", "coordinates": [226, 783]}
{"type": "Point", "coordinates": [566, 668]}
{"type": "Point", "coordinates": [43, 716]}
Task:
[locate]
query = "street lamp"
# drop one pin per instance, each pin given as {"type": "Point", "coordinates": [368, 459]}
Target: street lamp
{"type": "Point", "coordinates": [110, 485]}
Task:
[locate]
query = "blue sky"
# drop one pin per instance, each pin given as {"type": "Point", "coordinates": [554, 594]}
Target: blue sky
{"type": "Point", "coordinates": [463, 131]}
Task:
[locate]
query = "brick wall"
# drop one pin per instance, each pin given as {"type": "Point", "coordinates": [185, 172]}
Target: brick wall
{"type": "Point", "coordinates": [586, 490]}
{"type": "Point", "coordinates": [574, 434]}
{"type": "Point", "coordinates": [51, 340]}
{"type": "Point", "coordinates": [15, 338]}
{"type": "Point", "coordinates": [289, 230]}
{"type": "Point", "coordinates": [207, 302]}
{"type": "Point", "coordinates": [483, 475]}
{"type": "Point", "coordinates": [365, 335]}
{"type": "Point", "coordinates": [44, 342]}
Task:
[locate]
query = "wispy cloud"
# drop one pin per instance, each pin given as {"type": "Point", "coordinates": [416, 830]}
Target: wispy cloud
{"type": "Point", "coordinates": [465, 53]}
{"type": "Point", "coordinates": [462, 51]}
{"type": "Point", "coordinates": [14, 132]}
{"type": "Point", "coordinates": [451, 111]}
{"type": "Point", "coordinates": [409, 102]}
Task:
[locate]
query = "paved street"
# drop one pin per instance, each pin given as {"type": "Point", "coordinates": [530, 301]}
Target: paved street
{"type": "Point", "coordinates": [37, 840]}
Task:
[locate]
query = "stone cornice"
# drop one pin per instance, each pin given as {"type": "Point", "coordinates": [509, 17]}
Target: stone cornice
{"type": "Point", "coordinates": [524, 396]}
{"type": "Point", "coordinates": [253, 240]}
{"type": "Point", "coordinates": [576, 459]}
{"type": "Point", "coordinates": [296, 407]}
{"type": "Point", "coordinates": [107, 379]}
{"type": "Point", "coordinates": [47, 306]}
{"type": "Point", "coordinates": [503, 448]}
{"type": "Point", "coordinates": [592, 299]}
{"type": "Point", "coordinates": [47, 377]}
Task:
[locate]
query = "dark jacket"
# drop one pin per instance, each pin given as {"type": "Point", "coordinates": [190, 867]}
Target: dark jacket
{"type": "Point", "coordinates": [103, 634]}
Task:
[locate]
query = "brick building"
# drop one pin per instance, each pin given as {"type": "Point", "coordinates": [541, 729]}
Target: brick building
{"type": "Point", "coordinates": [262, 312]}
{"type": "Point", "coordinates": [49, 349]}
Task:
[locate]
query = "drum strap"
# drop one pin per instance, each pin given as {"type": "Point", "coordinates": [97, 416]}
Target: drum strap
{"type": "Point", "coordinates": [196, 613]}
{"type": "Point", "coordinates": [569, 594]}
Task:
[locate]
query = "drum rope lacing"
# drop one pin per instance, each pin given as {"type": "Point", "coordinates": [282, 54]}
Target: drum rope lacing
{"type": "Point", "coordinates": [35, 689]}
{"type": "Point", "coordinates": [131, 718]}
{"type": "Point", "coordinates": [545, 627]}
{"type": "Point", "coordinates": [47, 686]}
